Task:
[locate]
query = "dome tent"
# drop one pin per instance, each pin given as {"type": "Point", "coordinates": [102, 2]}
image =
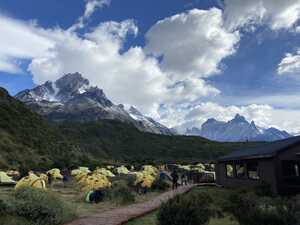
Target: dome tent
{"type": "Point", "coordinates": [5, 179]}
{"type": "Point", "coordinates": [31, 181]}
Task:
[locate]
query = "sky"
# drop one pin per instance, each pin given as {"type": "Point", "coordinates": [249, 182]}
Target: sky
{"type": "Point", "coordinates": [178, 61]}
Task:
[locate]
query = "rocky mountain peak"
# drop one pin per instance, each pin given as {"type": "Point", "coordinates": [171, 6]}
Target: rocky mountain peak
{"type": "Point", "coordinates": [239, 119]}
{"type": "Point", "coordinates": [70, 85]}
{"type": "Point", "coordinates": [72, 98]}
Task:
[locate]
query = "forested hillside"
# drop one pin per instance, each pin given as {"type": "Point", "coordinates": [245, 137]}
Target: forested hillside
{"type": "Point", "coordinates": [29, 140]}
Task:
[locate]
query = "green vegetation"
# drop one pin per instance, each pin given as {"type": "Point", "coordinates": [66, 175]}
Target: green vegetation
{"type": "Point", "coordinates": [192, 209]}
{"type": "Point", "coordinates": [35, 206]}
{"type": "Point", "coordinates": [226, 207]}
{"type": "Point", "coordinates": [27, 140]}
{"type": "Point", "coordinates": [150, 219]}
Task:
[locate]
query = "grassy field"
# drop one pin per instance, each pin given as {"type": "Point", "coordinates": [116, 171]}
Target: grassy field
{"type": "Point", "coordinates": [76, 197]}
{"type": "Point", "coordinates": [215, 193]}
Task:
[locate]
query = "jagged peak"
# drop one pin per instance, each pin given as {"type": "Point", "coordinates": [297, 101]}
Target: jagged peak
{"type": "Point", "coordinates": [239, 118]}
{"type": "Point", "coordinates": [210, 120]}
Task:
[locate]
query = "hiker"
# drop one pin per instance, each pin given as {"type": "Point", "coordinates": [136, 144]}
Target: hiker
{"type": "Point", "coordinates": [174, 176]}
{"type": "Point", "coordinates": [65, 174]}
{"type": "Point", "coordinates": [184, 179]}
{"type": "Point", "coordinates": [49, 179]}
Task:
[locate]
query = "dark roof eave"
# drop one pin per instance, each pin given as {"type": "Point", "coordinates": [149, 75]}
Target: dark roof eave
{"type": "Point", "coordinates": [246, 158]}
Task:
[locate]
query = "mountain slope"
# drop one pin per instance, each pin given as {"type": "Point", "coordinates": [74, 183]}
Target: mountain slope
{"type": "Point", "coordinates": [72, 98]}
{"type": "Point", "coordinates": [237, 129]}
{"type": "Point", "coordinates": [27, 139]}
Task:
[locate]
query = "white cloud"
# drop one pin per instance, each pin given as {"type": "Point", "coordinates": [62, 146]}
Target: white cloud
{"type": "Point", "coordinates": [18, 40]}
{"type": "Point", "coordinates": [278, 14]}
{"type": "Point", "coordinates": [290, 64]}
{"type": "Point", "coordinates": [90, 7]}
{"type": "Point", "coordinates": [192, 43]}
{"type": "Point", "coordinates": [190, 90]}
{"type": "Point", "coordinates": [131, 77]}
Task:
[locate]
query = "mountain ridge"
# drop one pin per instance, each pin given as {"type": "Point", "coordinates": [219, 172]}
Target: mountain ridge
{"type": "Point", "coordinates": [72, 98]}
{"type": "Point", "coordinates": [237, 129]}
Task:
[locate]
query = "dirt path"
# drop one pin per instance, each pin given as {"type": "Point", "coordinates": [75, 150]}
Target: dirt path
{"type": "Point", "coordinates": [122, 215]}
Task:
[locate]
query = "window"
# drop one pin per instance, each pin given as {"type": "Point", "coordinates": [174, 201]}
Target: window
{"type": "Point", "coordinates": [252, 169]}
{"type": "Point", "coordinates": [229, 170]}
{"type": "Point", "coordinates": [240, 170]}
{"type": "Point", "coordinates": [291, 168]}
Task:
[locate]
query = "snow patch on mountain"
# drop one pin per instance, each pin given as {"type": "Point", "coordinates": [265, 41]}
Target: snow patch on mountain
{"type": "Point", "coordinates": [72, 97]}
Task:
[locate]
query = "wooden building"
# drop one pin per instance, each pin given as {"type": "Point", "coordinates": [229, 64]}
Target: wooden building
{"type": "Point", "coordinates": [276, 163]}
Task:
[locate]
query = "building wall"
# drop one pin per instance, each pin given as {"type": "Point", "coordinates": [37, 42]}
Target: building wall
{"type": "Point", "coordinates": [289, 154]}
{"type": "Point", "coordinates": [267, 173]}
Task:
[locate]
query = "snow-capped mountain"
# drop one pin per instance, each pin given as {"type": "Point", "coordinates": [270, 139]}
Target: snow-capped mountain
{"type": "Point", "coordinates": [147, 122]}
{"type": "Point", "coordinates": [237, 129]}
{"type": "Point", "coordinates": [72, 98]}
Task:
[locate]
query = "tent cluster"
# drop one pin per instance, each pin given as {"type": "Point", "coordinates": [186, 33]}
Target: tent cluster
{"type": "Point", "coordinates": [146, 177]}
{"type": "Point", "coordinates": [92, 180]}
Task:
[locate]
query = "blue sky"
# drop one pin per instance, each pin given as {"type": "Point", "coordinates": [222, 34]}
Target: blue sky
{"type": "Point", "coordinates": [180, 61]}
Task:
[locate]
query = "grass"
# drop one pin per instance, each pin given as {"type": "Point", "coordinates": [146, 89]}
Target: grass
{"type": "Point", "coordinates": [76, 197]}
{"type": "Point", "coordinates": [216, 194]}
{"type": "Point", "coordinates": [150, 219]}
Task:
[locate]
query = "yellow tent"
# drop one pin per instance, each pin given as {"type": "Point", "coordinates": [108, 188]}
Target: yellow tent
{"type": "Point", "coordinates": [122, 170]}
{"type": "Point", "coordinates": [80, 170]}
{"type": "Point", "coordinates": [31, 181]}
{"type": "Point", "coordinates": [55, 173]}
{"type": "Point", "coordinates": [103, 171]}
{"type": "Point", "coordinates": [143, 178]}
{"type": "Point", "coordinates": [5, 179]}
{"type": "Point", "coordinates": [96, 182]}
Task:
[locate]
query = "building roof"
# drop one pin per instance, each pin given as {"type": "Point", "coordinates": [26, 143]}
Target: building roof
{"type": "Point", "coordinates": [262, 151]}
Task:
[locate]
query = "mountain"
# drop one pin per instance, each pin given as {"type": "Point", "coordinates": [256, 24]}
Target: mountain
{"type": "Point", "coordinates": [72, 98]}
{"type": "Point", "coordinates": [147, 123]}
{"type": "Point", "coordinates": [27, 139]}
{"type": "Point", "coordinates": [237, 129]}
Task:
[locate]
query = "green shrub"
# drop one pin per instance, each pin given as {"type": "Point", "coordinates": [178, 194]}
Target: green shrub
{"type": "Point", "coordinates": [120, 193]}
{"type": "Point", "coordinates": [263, 189]}
{"type": "Point", "coordinates": [250, 209]}
{"type": "Point", "coordinates": [40, 207]}
{"type": "Point", "coordinates": [187, 210]}
{"type": "Point", "coordinates": [161, 185]}
{"type": "Point", "coordinates": [3, 207]}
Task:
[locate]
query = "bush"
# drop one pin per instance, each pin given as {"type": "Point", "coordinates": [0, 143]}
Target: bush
{"type": "Point", "coordinates": [249, 209]}
{"type": "Point", "coordinates": [40, 207]}
{"type": "Point", "coordinates": [3, 207]}
{"type": "Point", "coordinates": [161, 185]}
{"type": "Point", "coordinates": [120, 193]}
{"type": "Point", "coordinates": [263, 189]}
{"type": "Point", "coordinates": [187, 210]}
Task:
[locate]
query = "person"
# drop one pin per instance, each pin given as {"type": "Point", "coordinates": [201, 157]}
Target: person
{"type": "Point", "coordinates": [174, 176]}
{"type": "Point", "coordinates": [184, 179]}
{"type": "Point", "coordinates": [65, 174]}
{"type": "Point", "coordinates": [49, 179]}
